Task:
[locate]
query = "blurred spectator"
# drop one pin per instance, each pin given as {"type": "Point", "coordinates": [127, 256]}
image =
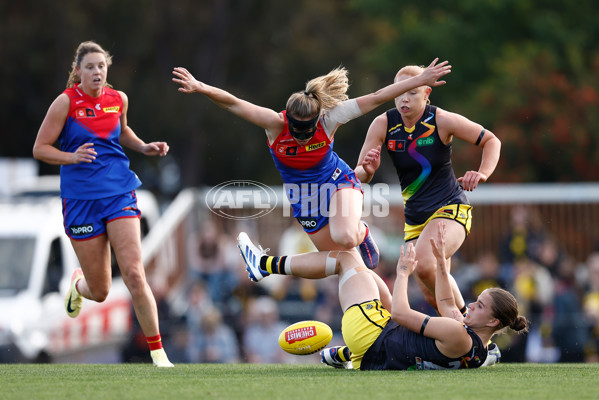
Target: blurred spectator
{"type": "Point", "coordinates": [215, 342]}
{"type": "Point", "coordinates": [261, 335]}
{"type": "Point", "coordinates": [524, 237]}
{"type": "Point", "coordinates": [484, 273]}
{"type": "Point", "coordinates": [590, 306]}
{"type": "Point", "coordinates": [569, 331]}
{"type": "Point", "coordinates": [549, 254]}
{"type": "Point", "coordinates": [199, 303]}
{"type": "Point", "coordinates": [210, 261]}
{"type": "Point", "coordinates": [533, 287]}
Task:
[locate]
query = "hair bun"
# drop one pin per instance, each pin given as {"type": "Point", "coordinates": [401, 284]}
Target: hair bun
{"type": "Point", "coordinates": [519, 324]}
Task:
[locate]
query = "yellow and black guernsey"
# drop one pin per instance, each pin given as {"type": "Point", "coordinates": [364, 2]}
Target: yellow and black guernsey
{"type": "Point", "coordinates": [423, 164]}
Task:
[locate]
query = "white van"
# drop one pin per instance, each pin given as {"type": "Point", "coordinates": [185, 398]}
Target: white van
{"type": "Point", "coordinates": [36, 263]}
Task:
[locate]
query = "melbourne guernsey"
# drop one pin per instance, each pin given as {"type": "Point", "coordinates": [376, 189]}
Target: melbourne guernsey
{"type": "Point", "coordinates": [97, 121]}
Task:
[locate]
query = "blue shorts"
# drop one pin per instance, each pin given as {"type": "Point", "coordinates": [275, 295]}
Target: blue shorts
{"type": "Point", "coordinates": [85, 219]}
{"type": "Point", "coordinates": [310, 201]}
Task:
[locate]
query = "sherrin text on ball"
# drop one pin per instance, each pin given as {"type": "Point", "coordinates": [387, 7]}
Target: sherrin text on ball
{"type": "Point", "coordinates": [305, 337]}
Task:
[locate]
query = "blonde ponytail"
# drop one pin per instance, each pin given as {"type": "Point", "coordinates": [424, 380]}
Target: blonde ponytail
{"type": "Point", "coordinates": [321, 94]}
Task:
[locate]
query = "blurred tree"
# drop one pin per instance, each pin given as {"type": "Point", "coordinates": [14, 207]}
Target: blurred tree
{"type": "Point", "coordinates": [532, 80]}
{"type": "Point", "coordinates": [528, 70]}
{"type": "Point", "coordinates": [261, 51]}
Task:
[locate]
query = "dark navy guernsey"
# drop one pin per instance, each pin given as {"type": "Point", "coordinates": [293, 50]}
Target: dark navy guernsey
{"type": "Point", "coordinates": [398, 348]}
{"type": "Point", "coordinates": [423, 165]}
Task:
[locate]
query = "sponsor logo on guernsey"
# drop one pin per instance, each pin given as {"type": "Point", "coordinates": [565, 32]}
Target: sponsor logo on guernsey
{"type": "Point", "coordinates": [396, 145]}
{"type": "Point", "coordinates": [448, 211]}
{"type": "Point", "coordinates": [336, 174]}
{"type": "Point", "coordinates": [81, 230]}
{"type": "Point", "coordinates": [395, 129]}
{"type": "Point", "coordinates": [300, 334]}
{"type": "Point", "coordinates": [98, 107]}
{"type": "Point", "coordinates": [425, 141]}
{"type": "Point", "coordinates": [114, 109]}
{"type": "Point", "coordinates": [286, 150]}
{"type": "Point", "coordinates": [315, 146]}
{"type": "Point", "coordinates": [84, 113]}
{"type": "Point", "coordinates": [307, 222]}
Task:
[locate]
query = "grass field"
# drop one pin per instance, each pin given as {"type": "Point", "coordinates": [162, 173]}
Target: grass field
{"type": "Point", "coordinates": [306, 382]}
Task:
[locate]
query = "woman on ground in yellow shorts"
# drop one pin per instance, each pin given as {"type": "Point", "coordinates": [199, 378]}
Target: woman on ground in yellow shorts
{"type": "Point", "coordinates": [382, 331]}
{"type": "Point", "coordinates": [418, 138]}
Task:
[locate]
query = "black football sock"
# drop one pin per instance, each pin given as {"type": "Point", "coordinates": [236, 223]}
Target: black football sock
{"type": "Point", "coordinates": [343, 354]}
{"type": "Point", "coordinates": [275, 265]}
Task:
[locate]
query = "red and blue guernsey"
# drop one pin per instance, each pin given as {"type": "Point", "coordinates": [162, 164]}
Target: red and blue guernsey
{"type": "Point", "coordinates": [312, 173]}
{"type": "Point", "coordinates": [98, 121]}
{"type": "Point", "coordinates": [314, 162]}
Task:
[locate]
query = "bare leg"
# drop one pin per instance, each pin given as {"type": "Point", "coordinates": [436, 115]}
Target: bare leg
{"type": "Point", "coordinates": [345, 212]}
{"type": "Point", "coordinates": [94, 257]}
{"type": "Point", "coordinates": [426, 269]}
{"type": "Point", "coordinates": [125, 237]}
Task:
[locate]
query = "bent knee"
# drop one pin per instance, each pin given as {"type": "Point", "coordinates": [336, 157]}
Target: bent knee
{"type": "Point", "coordinates": [346, 239]}
{"type": "Point", "coordinates": [347, 260]}
{"type": "Point", "coordinates": [99, 294]}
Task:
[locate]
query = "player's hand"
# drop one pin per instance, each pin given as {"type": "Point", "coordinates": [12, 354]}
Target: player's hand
{"type": "Point", "coordinates": [84, 153]}
{"type": "Point", "coordinates": [435, 71]}
{"type": "Point", "coordinates": [407, 260]}
{"type": "Point", "coordinates": [188, 83]}
{"type": "Point", "coordinates": [155, 149]}
{"type": "Point", "coordinates": [372, 160]}
{"type": "Point", "coordinates": [471, 179]}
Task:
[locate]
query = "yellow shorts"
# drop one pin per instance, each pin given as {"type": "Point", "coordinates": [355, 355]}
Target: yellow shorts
{"type": "Point", "coordinates": [361, 325]}
{"type": "Point", "coordinates": [461, 213]}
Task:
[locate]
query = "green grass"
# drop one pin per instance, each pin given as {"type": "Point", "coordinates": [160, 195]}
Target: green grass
{"type": "Point", "coordinates": [306, 382]}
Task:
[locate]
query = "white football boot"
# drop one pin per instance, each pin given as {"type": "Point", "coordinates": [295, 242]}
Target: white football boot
{"type": "Point", "coordinates": [160, 360]}
{"type": "Point", "coordinates": [493, 355]}
{"type": "Point", "coordinates": [334, 356]}
{"type": "Point", "coordinates": [251, 255]}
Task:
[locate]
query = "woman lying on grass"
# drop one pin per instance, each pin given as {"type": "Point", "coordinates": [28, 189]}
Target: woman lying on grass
{"type": "Point", "coordinates": [378, 339]}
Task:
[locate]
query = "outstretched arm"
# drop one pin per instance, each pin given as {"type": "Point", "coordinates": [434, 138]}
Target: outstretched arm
{"type": "Point", "coordinates": [260, 116]}
{"type": "Point", "coordinates": [401, 311]}
{"type": "Point", "coordinates": [446, 304]}
{"type": "Point", "coordinates": [428, 77]}
{"type": "Point", "coordinates": [451, 338]}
